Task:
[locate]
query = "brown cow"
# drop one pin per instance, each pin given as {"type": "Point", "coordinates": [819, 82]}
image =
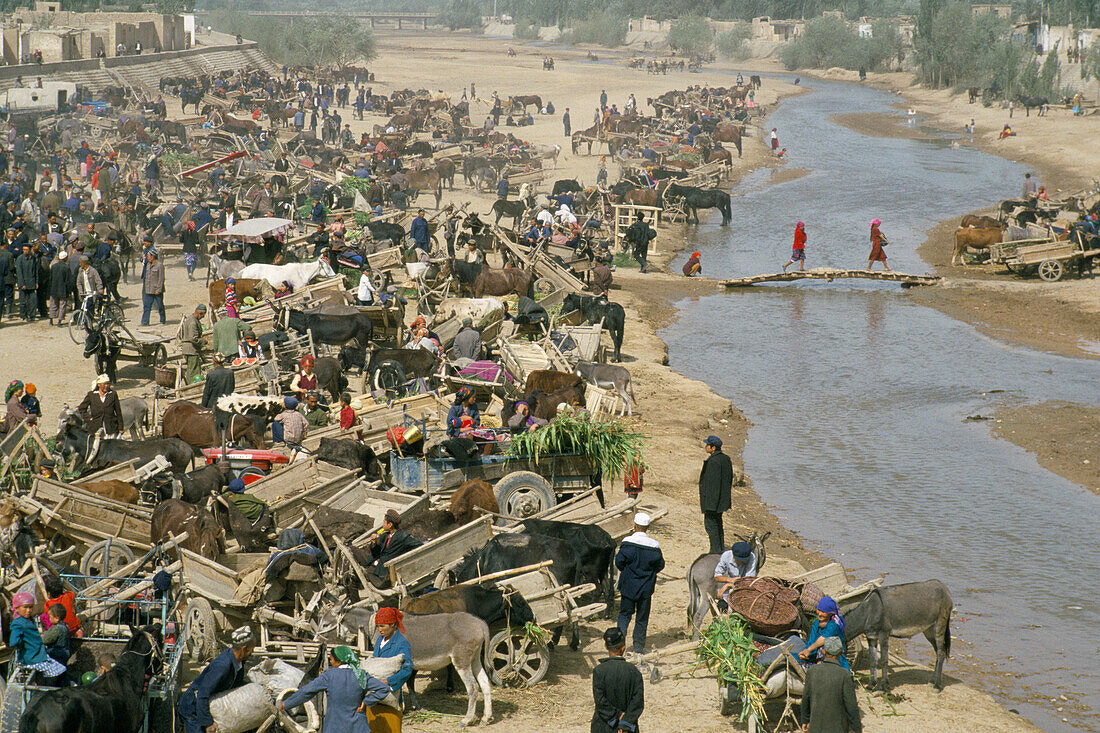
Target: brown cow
{"type": "Point", "coordinates": [420, 181]}
{"type": "Point", "coordinates": [975, 239]}
{"type": "Point", "coordinates": [196, 426]}
{"type": "Point", "coordinates": [550, 380]}
{"type": "Point", "coordinates": [432, 523]}
{"type": "Point", "coordinates": [981, 222]}
{"type": "Point", "coordinates": [502, 282]}
{"type": "Point", "coordinates": [446, 170]}
{"type": "Point", "coordinates": [641, 197]}
{"type": "Point", "coordinates": [113, 489]}
{"type": "Point", "coordinates": [204, 536]}
{"type": "Point", "coordinates": [246, 287]}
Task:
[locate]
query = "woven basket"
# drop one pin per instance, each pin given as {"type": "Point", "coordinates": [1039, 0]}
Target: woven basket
{"type": "Point", "coordinates": [164, 377]}
{"type": "Point", "coordinates": [767, 613]}
{"type": "Point", "coordinates": [809, 598]}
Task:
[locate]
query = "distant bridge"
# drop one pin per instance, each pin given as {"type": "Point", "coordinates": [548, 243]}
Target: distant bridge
{"type": "Point", "coordinates": [400, 21]}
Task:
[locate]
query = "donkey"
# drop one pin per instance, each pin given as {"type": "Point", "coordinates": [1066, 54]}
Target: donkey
{"type": "Point", "coordinates": [702, 586]}
{"type": "Point", "coordinates": [902, 611]}
{"type": "Point", "coordinates": [437, 640]}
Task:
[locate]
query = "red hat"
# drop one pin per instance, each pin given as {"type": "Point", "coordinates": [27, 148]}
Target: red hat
{"type": "Point", "coordinates": [388, 615]}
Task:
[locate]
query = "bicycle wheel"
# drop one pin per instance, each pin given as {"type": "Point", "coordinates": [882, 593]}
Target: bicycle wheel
{"type": "Point", "coordinates": [77, 332]}
{"type": "Point", "coordinates": [112, 311]}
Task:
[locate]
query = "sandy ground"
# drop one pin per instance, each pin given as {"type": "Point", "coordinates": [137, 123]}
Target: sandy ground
{"type": "Point", "coordinates": [563, 703]}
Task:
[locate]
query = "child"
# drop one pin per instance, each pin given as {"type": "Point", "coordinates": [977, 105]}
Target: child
{"type": "Point", "coordinates": [57, 595]}
{"type": "Point", "coordinates": [27, 642]}
{"type": "Point", "coordinates": [30, 400]}
{"type": "Point", "coordinates": [56, 637]}
{"type": "Point", "coordinates": [347, 414]}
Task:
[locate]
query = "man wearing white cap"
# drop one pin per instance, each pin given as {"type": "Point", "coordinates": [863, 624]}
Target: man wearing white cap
{"type": "Point", "coordinates": [639, 560]}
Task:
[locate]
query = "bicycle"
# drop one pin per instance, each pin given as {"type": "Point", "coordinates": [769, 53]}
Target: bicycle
{"type": "Point", "coordinates": [85, 317]}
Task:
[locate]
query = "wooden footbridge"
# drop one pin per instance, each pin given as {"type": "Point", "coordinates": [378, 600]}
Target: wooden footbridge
{"type": "Point", "coordinates": [830, 274]}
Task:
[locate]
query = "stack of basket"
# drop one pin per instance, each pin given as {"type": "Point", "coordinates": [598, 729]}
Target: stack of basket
{"type": "Point", "coordinates": [768, 607]}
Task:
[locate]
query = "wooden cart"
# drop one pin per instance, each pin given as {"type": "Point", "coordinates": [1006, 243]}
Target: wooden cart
{"type": "Point", "coordinates": [1050, 258]}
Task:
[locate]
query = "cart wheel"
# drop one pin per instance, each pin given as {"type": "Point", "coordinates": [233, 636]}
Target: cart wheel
{"type": "Point", "coordinates": [160, 356]}
{"type": "Point", "coordinates": [524, 494]}
{"type": "Point", "coordinates": [516, 660]}
{"type": "Point", "coordinates": [389, 375]}
{"type": "Point", "coordinates": [105, 556]}
{"type": "Point", "coordinates": [199, 626]}
{"type": "Point", "coordinates": [112, 311]}
{"type": "Point", "coordinates": [1051, 270]}
{"type": "Point", "coordinates": [544, 286]}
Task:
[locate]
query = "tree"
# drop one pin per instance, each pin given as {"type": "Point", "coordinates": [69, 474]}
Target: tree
{"type": "Point", "coordinates": [1090, 65]}
{"type": "Point", "coordinates": [733, 44]}
{"type": "Point", "coordinates": [171, 7]}
{"type": "Point", "coordinates": [1048, 75]}
{"type": "Point", "coordinates": [691, 36]}
{"type": "Point", "coordinates": [330, 40]}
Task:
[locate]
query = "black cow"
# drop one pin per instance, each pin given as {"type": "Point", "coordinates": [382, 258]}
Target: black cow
{"type": "Point", "coordinates": [595, 308]}
{"type": "Point", "coordinates": [348, 453]}
{"type": "Point", "coordinates": [383, 230]}
{"type": "Point", "coordinates": [508, 551]}
{"type": "Point", "coordinates": [330, 376]}
{"type": "Point", "coordinates": [335, 330]}
{"type": "Point", "coordinates": [466, 272]}
{"type": "Point", "coordinates": [393, 367]}
{"type": "Point", "coordinates": [594, 546]}
{"type": "Point", "coordinates": [566, 185]}
{"type": "Point", "coordinates": [111, 451]}
{"type": "Point", "coordinates": [202, 482]}
{"type": "Point", "coordinates": [515, 210]}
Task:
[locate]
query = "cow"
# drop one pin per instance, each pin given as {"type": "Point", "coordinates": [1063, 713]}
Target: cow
{"type": "Point", "coordinates": [566, 185]}
{"type": "Point", "coordinates": [335, 330]}
{"type": "Point", "coordinates": [609, 376]}
{"type": "Point", "coordinates": [502, 282]}
{"type": "Point", "coordinates": [491, 604]}
{"type": "Point", "coordinates": [330, 376]}
{"type": "Point", "coordinates": [974, 238]}
{"type": "Point", "coordinates": [509, 551]}
{"type": "Point", "coordinates": [597, 309]}
{"type": "Point", "coordinates": [95, 452]}
{"type": "Point", "coordinates": [551, 380]}
{"type": "Point", "coordinates": [594, 546]}
{"type": "Point", "coordinates": [348, 453]}
{"type": "Point", "coordinates": [196, 485]}
{"type": "Point", "coordinates": [466, 500]}
{"type": "Point", "coordinates": [446, 169]}
{"type": "Point", "coordinates": [112, 489]}
{"type": "Point", "coordinates": [203, 428]}
{"type": "Point", "coordinates": [981, 222]}
{"type": "Point", "coordinates": [397, 366]}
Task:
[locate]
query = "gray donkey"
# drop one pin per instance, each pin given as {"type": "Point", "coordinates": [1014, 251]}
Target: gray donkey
{"type": "Point", "coordinates": [902, 611]}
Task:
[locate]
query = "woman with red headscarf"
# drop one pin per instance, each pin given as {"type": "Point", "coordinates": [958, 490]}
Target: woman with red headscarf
{"type": "Point", "coordinates": [798, 250]}
{"type": "Point", "coordinates": [692, 268]}
{"type": "Point", "coordinates": [391, 641]}
{"type": "Point", "coordinates": [305, 380]}
{"type": "Point", "coordinates": [878, 241]}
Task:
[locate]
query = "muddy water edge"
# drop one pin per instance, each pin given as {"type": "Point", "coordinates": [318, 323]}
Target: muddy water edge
{"type": "Point", "coordinates": [859, 397]}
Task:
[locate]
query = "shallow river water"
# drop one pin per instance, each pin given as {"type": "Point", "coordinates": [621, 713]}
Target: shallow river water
{"type": "Point", "coordinates": [858, 399]}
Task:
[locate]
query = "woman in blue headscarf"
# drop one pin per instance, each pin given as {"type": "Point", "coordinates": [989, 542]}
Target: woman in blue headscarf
{"type": "Point", "coordinates": [350, 691]}
{"type": "Point", "coordinates": [829, 622]}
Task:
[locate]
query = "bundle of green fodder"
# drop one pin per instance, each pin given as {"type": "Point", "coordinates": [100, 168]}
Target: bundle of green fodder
{"type": "Point", "coordinates": [726, 648]}
{"type": "Point", "coordinates": [611, 445]}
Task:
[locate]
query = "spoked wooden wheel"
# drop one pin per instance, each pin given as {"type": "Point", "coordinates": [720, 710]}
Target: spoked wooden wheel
{"type": "Point", "coordinates": [200, 627]}
{"type": "Point", "coordinates": [1051, 270]}
{"type": "Point", "coordinates": [516, 660]}
{"type": "Point", "coordinates": [104, 557]}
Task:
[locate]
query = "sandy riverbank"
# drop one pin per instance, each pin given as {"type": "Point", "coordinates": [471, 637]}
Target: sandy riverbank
{"type": "Point", "coordinates": [674, 412]}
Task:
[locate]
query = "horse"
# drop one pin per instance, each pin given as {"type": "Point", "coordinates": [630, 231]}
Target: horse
{"type": "Point", "coordinates": [446, 169]}
{"type": "Point", "coordinates": [114, 702]}
{"type": "Point", "coordinates": [502, 282]}
{"type": "Point", "coordinates": [174, 517]}
{"type": "Point", "coordinates": [728, 132]}
{"type": "Point", "coordinates": [202, 428]}
{"type": "Point", "coordinates": [699, 198]}
{"type": "Point", "coordinates": [515, 210]}
{"type": "Point", "coordinates": [521, 102]}
{"type": "Point", "coordinates": [298, 274]}
{"type": "Point", "coordinates": [902, 611]}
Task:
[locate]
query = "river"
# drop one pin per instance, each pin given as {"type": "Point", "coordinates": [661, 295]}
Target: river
{"type": "Point", "coordinates": [859, 399]}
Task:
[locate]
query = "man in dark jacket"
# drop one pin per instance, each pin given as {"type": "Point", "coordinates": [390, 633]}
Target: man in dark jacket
{"type": "Point", "coordinates": [61, 284]}
{"type": "Point", "coordinates": [418, 230]}
{"type": "Point", "coordinates": [7, 273]}
{"type": "Point", "coordinates": [225, 673]}
{"type": "Point", "coordinates": [617, 689]}
{"type": "Point", "coordinates": [639, 235]}
{"type": "Point", "coordinates": [219, 381]}
{"type": "Point", "coordinates": [829, 700]}
{"type": "Point", "coordinates": [101, 408]}
{"type": "Point", "coordinates": [639, 560]}
{"type": "Point", "coordinates": [388, 544]}
{"type": "Point", "coordinates": [26, 279]}
{"type": "Point", "coordinates": [715, 482]}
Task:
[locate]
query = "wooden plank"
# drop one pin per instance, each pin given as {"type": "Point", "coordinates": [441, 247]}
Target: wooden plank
{"type": "Point", "coordinates": [426, 560]}
{"type": "Point", "coordinates": [211, 579]}
{"type": "Point", "coordinates": [121, 471]}
{"type": "Point", "coordinates": [830, 274]}
{"type": "Point", "coordinates": [830, 579]}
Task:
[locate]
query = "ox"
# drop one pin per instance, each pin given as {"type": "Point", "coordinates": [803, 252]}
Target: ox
{"type": "Point", "coordinates": [469, 496]}
{"type": "Point", "coordinates": [325, 328]}
{"type": "Point", "coordinates": [550, 380]}
{"type": "Point", "coordinates": [174, 517]}
{"type": "Point", "coordinates": [348, 453]}
{"type": "Point", "coordinates": [975, 239]}
{"type": "Point", "coordinates": [503, 282]}
{"type": "Point", "coordinates": [202, 428]}
{"type": "Point", "coordinates": [95, 452]}
{"type": "Point", "coordinates": [595, 549]}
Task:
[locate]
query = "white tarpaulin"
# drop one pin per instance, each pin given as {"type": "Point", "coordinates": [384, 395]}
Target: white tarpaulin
{"type": "Point", "coordinates": [253, 231]}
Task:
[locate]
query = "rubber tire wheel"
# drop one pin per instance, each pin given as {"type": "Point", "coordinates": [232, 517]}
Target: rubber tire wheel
{"type": "Point", "coordinates": [96, 553]}
{"type": "Point", "coordinates": [77, 332]}
{"type": "Point", "coordinates": [1051, 270]}
{"type": "Point", "coordinates": [388, 376]}
{"type": "Point", "coordinates": [11, 709]}
{"type": "Point", "coordinates": [509, 646]}
{"type": "Point", "coordinates": [160, 356]}
{"type": "Point", "coordinates": [199, 630]}
{"type": "Point", "coordinates": [523, 494]}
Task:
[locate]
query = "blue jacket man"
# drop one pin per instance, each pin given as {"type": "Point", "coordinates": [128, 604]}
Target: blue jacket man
{"type": "Point", "coordinates": [502, 188]}
{"type": "Point", "coordinates": [639, 560]}
{"type": "Point", "coordinates": [226, 672]}
{"type": "Point", "coordinates": [419, 231]}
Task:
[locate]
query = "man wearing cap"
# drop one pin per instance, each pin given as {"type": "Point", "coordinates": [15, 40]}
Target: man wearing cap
{"type": "Point", "coordinates": [61, 284]}
{"type": "Point", "coordinates": [225, 673]}
{"type": "Point", "coordinates": [467, 343]}
{"type": "Point", "coordinates": [639, 235]}
{"type": "Point", "coordinates": [387, 544]}
{"type": "Point", "coordinates": [219, 381]}
{"type": "Point", "coordinates": [617, 689]}
{"type": "Point", "coordinates": [289, 426]}
{"type": "Point", "coordinates": [190, 338]}
{"type": "Point", "coordinates": [737, 562]}
{"type": "Point", "coordinates": [829, 701]}
{"type": "Point", "coordinates": [418, 230]}
{"type": "Point", "coordinates": [227, 335]}
{"type": "Point", "coordinates": [715, 483]}
{"type": "Point", "coordinates": [88, 281]}
{"type": "Point", "coordinates": [152, 291]}
{"type": "Point", "coordinates": [252, 507]}
{"type": "Point", "coordinates": [101, 408]}
{"type": "Point", "coordinates": [639, 560]}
